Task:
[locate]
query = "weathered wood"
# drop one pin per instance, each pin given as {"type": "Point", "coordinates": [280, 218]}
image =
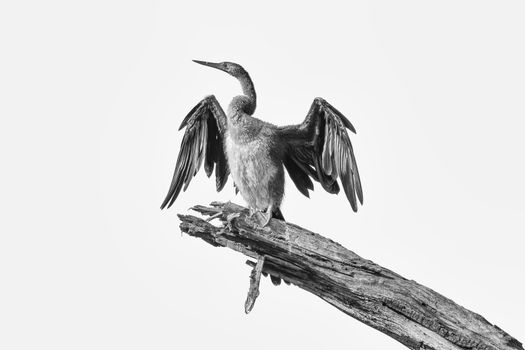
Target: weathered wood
{"type": "Point", "coordinates": [255, 279]}
{"type": "Point", "coordinates": [413, 314]}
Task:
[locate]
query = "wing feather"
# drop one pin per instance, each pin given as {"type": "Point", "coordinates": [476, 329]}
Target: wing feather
{"type": "Point", "coordinates": [327, 156]}
{"type": "Point", "coordinates": [320, 148]}
{"type": "Point", "coordinates": [202, 143]}
{"type": "Point", "coordinates": [299, 177]}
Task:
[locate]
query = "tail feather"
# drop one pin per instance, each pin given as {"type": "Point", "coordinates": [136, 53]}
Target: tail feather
{"type": "Point", "coordinates": [277, 214]}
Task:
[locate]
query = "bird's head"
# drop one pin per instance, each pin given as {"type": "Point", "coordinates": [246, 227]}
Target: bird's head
{"type": "Point", "coordinates": [231, 68]}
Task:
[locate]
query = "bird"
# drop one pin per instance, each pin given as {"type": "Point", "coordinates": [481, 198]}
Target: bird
{"type": "Point", "coordinates": [257, 153]}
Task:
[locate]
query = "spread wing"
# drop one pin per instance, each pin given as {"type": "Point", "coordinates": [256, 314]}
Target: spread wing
{"type": "Point", "coordinates": [320, 149]}
{"type": "Point", "coordinates": [203, 141]}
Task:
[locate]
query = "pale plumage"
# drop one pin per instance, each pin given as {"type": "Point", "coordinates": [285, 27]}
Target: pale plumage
{"type": "Point", "coordinates": [256, 152]}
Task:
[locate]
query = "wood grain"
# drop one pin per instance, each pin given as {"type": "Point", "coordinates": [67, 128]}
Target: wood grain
{"type": "Point", "coordinates": [413, 314]}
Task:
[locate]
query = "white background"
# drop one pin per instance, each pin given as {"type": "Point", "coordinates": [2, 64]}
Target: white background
{"type": "Point", "coordinates": [92, 94]}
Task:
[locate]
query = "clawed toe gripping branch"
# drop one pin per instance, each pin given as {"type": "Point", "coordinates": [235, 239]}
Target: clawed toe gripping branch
{"type": "Point", "coordinates": [413, 314]}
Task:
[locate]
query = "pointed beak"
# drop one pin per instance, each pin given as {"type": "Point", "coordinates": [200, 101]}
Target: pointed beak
{"type": "Point", "coordinates": [209, 64]}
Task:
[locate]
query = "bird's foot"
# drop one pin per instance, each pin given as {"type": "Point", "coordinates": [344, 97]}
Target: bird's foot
{"type": "Point", "coordinates": [214, 216]}
{"type": "Point", "coordinates": [230, 218]}
{"type": "Point", "coordinates": [261, 218]}
{"type": "Point", "coordinates": [267, 217]}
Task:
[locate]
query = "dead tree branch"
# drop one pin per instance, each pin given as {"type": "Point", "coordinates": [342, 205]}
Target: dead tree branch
{"type": "Point", "coordinates": [411, 313]}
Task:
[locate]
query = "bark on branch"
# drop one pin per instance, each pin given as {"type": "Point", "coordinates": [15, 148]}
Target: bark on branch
{"type": "Point", "coordinates": [411, 313]}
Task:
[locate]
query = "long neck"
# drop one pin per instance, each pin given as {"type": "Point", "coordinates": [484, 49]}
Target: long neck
{"type": "Point", "coordinates": [249, 91]}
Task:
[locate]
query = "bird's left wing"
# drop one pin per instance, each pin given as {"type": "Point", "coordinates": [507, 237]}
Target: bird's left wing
{"type": "Point", "coordinates": [203, 141]}
{"type": "Point", "coordinates": [320, 148]}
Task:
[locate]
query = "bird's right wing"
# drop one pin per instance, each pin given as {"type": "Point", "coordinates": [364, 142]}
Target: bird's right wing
{"type": "Point", "coordinates": [203, 141]}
